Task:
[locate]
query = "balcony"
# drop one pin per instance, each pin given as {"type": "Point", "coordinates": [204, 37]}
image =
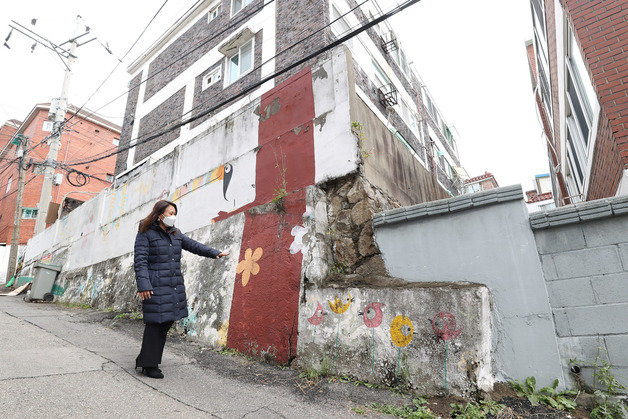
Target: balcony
{"type": "Point", "coordinates": [389, 43]}
{"type": "Point", "coordinates": [387, 95]}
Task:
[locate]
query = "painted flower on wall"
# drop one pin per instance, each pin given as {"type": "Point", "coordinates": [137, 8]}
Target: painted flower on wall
{"type": "Point", "coordinates": [249, 266]}
{"type": "Point", "coordinates": [297, 244]}
{"type": "Point", "coordinates": [373, 314]}
{"type": "Point", "coordinates": [339, 305]}
{"type": "Point", "coordinates": [317, 317]}
{"type": "Point", "coordinates": [401, 331]}
{"type": "Point", "coordinates": [444, 326]}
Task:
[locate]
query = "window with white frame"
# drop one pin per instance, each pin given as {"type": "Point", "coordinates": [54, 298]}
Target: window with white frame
{"type": "Point", "coordinates": [380, 76]}
{"type": "Point", "coordinates": [237, 5]}
{"type": "Point", "coordinates": [29, 213]}
{"type": "Point", "coordinates": [9, 184]}
{"type": "Point", "coordinates": [340, 26]}
{"type": "Point", "coordinates": [241, 62]}
{"type": "Point", "coordinates": [213, 13]}
{"type": "Point", "coordinates": [213, 77]}
{"type": "Point", "coordinates": [579, 100]}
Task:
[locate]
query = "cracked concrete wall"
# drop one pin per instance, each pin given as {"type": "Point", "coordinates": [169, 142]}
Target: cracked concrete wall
{"type": "Point", "coordinates": [489, 243]}
{"type": "Point", "coordinates": [344, 275]}
{"type": "Point", "coordinates": [225, 183]}
{"type": "Point", "coordinates": [586, 271]}
{"type": "Point", "coordinates": [385, 336]}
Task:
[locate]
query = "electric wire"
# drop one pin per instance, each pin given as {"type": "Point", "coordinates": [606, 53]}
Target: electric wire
{"type": "Point", "coordinates": [253, 86]}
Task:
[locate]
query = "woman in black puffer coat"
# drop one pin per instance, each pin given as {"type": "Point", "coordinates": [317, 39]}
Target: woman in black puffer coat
{"type": "Point", "coordinates": [159, 280]}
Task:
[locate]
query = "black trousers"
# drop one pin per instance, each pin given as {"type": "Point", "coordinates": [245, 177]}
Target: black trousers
{"type": "Point", "coordinates": [153, 344]}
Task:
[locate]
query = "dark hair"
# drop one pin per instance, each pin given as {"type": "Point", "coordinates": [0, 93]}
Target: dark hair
{"type": "Point", "coordinates": [158, 209]}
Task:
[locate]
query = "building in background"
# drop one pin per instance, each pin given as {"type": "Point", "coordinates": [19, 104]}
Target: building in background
{"type": "Point", "coordinates": [480, 183]}
{"type": "Point", "coordinates": [84, 136]}
{"type": "Point", "coordinates": [578, 66]}
{"type": "Point", "coordinates": [541, 197]}
{"type": "Point", "coordinates": [7, 131]}
{"type": "Point", "coordinates": [245, 41]}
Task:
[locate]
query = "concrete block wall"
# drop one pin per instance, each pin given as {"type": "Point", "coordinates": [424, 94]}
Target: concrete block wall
{"type": "Point", "coordinates": [583, 249]}
{"type": "Point", "coordinates": [483, 238]}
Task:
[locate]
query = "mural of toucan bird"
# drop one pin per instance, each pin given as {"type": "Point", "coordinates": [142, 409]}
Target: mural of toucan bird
{"type": "Point", "coordinates": [317, 317]}
{"type": "Point", "coordinates": [223, 173]}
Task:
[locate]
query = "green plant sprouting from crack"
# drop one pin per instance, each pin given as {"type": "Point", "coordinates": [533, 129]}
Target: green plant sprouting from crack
{"type": "Point", "coordinates": [475, 410]}
{"type": "Point", "coordinates": [546, 395]}
{"type": "Point", "coordinates": [358, 130]}
{"type": "Point", "coordinates": [605, 407]}
{"type": "Point", "coordinates": [281, 191]}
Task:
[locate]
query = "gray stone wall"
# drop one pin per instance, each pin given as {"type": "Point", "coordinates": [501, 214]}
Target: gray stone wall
{"type": "Point", "coordinates": [584, 253]}
{"type": "Point", "coordinates": [127, 123]}
{"type": "Point", "coordinates": [160, 118]}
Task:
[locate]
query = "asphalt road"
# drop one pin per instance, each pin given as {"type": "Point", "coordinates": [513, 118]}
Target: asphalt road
{"type": "Point", "coordinates": [58, 363]}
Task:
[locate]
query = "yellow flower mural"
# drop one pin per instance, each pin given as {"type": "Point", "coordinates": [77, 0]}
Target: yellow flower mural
{"type": "Point", "coordinates": [338, 305]}
{"type": "Point", "coordinates": [249, 266]}
{"type": "Point", "coordinates": [401, 331]}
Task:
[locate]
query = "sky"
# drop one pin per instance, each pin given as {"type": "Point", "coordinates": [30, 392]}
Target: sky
{"type": "Point", "coordinates": [470, 54]}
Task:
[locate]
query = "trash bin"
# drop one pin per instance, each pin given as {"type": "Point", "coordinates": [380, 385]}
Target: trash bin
{"type": "Point", "coordinates": [44, 280]}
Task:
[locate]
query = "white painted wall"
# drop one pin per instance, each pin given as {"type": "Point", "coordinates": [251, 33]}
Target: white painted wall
{"type": "Point", "coordinates": [105, 226]}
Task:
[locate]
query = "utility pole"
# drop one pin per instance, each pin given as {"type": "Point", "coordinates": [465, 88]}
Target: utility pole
{"type": "Point", "coordinates": [58, 109]}
{"type": "Point", "coordinates": [17, 220]}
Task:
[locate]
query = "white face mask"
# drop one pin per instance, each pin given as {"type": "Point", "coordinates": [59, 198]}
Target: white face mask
{"type": "Point", "coordinates": [169, 221]}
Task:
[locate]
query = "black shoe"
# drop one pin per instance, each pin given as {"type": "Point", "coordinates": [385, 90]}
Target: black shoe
{"type": "Point", "coordinates": [152, 372]}
{"type": "Point", "coordinates": [139, 366]}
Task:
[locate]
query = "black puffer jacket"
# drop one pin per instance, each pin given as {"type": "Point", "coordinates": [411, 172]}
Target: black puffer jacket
{"type": "Point", "coordinates": [158, 268]}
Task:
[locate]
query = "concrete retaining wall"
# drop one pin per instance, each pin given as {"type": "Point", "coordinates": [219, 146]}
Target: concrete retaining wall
{"type": "Point", "coordinates": [383, 335]}
{"type": "Point", "coordinates": [483, 238]}
{"type": "Point", "coordinates": [559, 279]}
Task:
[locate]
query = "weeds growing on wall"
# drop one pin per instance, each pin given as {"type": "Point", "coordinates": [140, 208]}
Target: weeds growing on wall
{"type": "Point", "coordinates": [606, 408]}
{"type": "Point", "coordinates": [281, 191]}
{"type": "Point", "coordinates": [358, 130]}
{"type": "Point", "coordinates": [546, 395]}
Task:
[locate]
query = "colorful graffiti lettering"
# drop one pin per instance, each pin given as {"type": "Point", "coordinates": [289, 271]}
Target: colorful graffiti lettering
{"type": "Point", "coordinates": [444, 326]}
{"type": "Point", "coordinates": [249, 265]}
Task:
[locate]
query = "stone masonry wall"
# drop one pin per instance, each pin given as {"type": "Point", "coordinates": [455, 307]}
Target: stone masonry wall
{"type": "Point", "coordinates": [584, 253]}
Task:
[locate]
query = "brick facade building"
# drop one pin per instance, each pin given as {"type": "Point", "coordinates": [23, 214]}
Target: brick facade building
{"type": "Point", "coordinates": [480, 183]}
{"type": "Point", "coordinates": [83, 137]}
{"type": "Point", "coordinates": [578, 66]}
{"type": "Point", "coordinates": [221, 47]}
